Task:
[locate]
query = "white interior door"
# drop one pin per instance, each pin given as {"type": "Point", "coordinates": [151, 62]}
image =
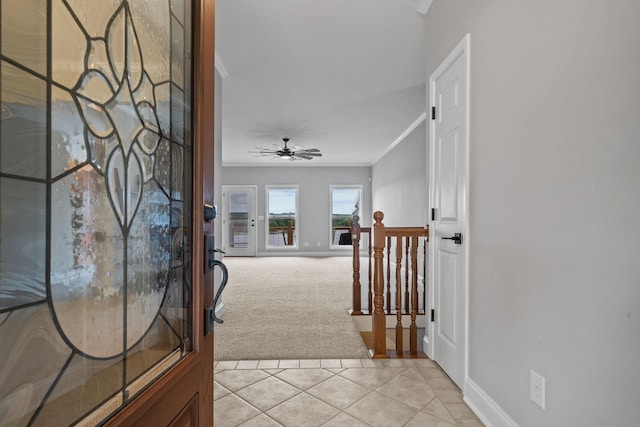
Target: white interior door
{"type": "Point", "coordinates": [239, 220]}
{"type": "Point", "coordinates": [448, 188]}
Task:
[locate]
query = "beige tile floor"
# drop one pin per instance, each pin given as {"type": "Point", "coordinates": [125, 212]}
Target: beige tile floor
{"type": "Point", "coordinates": [337, 393]}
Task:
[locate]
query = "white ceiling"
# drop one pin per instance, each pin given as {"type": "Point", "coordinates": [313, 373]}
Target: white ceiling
{"type": "Point", "coordinates": [345, 76]}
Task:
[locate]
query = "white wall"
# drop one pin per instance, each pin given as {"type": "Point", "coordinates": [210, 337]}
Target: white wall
{"type": "Point", "coordinates": [555, 201]}
{"type": "Point", "coordinates": [217, 178]}
{"type": "Point", "coordinates": [314, 200]}
{"type": "Point", "coordinates": [399, 182]}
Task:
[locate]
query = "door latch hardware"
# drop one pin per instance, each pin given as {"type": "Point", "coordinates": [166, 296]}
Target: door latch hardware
{"type": "Point", "coordinates": [457, 238]}
{"type": "Point", "coordinates": [209, 318]}
{"type": "Point", "coordinates": [210, 312]}
{"type": "Point", "coordinates": [209, 252]}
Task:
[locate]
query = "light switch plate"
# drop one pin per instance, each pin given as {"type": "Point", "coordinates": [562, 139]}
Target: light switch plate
{"type": "Point", "coordinates": [537, 388]}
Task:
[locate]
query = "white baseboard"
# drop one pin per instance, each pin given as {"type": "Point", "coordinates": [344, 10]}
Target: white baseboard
{"type": "Point", "coordinates": [303, 254]}
{"type": "Point", "coordinates": [426, 345]}
{"type": "Point", "coordinates": [489, 412]}
{"type": "Point", "coordinates": [220, 309]}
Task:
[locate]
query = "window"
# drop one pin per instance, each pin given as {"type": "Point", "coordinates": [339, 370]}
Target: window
{"type": "Point", "coordinates": [345, 202]}
{"type": "Point", "coordinates": [282, 214]}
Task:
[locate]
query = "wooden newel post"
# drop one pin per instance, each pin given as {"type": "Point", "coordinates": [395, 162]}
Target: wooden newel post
{"type": "Point", "coordinates": [355, 241]}
{"type": "Point", "coordinates": [378, 319]}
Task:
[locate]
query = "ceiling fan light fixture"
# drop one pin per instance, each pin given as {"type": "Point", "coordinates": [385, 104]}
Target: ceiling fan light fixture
{"type": "Point", "coordinates": [286, 153]}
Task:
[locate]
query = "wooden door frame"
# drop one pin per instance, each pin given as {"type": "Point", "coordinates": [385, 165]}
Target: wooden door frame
{"type": "Point", "coordinates": [197, 366]}
{"type": "Point", "coordinates": [461, 49]}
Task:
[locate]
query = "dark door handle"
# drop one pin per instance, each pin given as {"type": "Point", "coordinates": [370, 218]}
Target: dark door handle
{"type": "Point", "coordinates": [457, 238]}
{"type": "Point", "coordinates": [210, 212]}
{"type": "Point", "coordinates": [210, 312]}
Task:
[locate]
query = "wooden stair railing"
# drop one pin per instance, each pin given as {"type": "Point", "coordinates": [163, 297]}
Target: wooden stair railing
{"type": "Point", "coordinates": [358, 233]}
{"type": "Point", "coordinates": [407, 238]}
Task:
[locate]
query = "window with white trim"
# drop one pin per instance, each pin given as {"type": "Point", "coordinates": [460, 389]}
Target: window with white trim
{"type": "Point", "coordinates": [282, 216]}
{"type": "Point", "coordinates": [345, 202]}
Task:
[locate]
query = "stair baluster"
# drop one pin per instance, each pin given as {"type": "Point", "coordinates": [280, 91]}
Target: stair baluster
{"type": "Point", "coordinates": [388, 310]}
{"type": "Point", "coordinates": [406, 279]}
{"type": "Point", "coordinates": [413, 329]}
{"type": "Point", "coordinates": [399, 328]}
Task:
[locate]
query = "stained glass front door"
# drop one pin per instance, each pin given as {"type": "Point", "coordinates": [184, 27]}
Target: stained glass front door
{"type": "Point", "coordinates": [95, 204]}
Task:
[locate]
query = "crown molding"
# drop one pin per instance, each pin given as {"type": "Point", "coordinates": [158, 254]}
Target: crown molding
{"type": "Point", "coordinates": [221, 70]}
{"type": "Point", "coordinates": [423, 6]}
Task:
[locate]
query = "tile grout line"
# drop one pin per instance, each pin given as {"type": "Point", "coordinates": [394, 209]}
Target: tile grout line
{"type": "Point", "coordinates": [345, 365]}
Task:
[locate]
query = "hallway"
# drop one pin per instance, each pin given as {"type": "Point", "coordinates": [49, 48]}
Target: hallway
{"type": "Point", "coordinates": [333, 392]}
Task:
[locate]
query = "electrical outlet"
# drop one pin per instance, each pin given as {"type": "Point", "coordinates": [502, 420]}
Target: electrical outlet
{"type": "Point", "coordinates": [305, 244]}
{"type": "Point", "coordinates": [537, 388]}
{"type": "Point", "coordinates": [318, 244]}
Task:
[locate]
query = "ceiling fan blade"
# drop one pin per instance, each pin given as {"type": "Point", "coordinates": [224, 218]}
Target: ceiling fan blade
{"type": "Point", "coordinates": [262, 150]}
{"type": "Point", "coordinates": [306, 153]}
{"type": "Point", "coordinates": [312, 150]}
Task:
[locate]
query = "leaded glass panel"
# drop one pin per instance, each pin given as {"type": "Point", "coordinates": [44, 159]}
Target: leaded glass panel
{"type": "Point", "coordinates": [85, 384]}
{"type": "Point", "coordinates": [69, 44]}
{"type": "Point", "coordinates": [177, 45]}
{"type": "Point", "coordinates": [22, 244]}
{"type": "Point", "coordinates": [68, 146]}
{"type": "Point", "coordinates": [30, 364]}
{"type": "Point", "coordinates": [153, 24]}
{"type": "Point", "coordinates": [95, 196]}
{"type": "Point", "coordinates": [24, 33]}
{"type": "Point", "coordinates": [24, 124]}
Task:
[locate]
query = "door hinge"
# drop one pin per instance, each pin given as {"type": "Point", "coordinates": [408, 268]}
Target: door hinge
{"type": "Point", "coordinates": [433, 113]}
{"type": "Point", "coordinates": [433, 214]}
{"type": "Point", "coordinates": [433, 315]}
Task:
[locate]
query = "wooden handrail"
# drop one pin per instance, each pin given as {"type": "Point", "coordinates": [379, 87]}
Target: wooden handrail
{"type": "Point", "coordinates": [407, 239]}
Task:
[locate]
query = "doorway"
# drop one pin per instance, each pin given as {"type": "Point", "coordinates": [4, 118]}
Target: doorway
{"type": "Point", "coordinates": [239, 220]}
{"type": "Point", "coordinates": [449, 198]}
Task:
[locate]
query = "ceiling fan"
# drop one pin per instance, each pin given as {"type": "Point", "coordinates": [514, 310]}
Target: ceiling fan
{"type": "Point", "coordinates": [284, 152]}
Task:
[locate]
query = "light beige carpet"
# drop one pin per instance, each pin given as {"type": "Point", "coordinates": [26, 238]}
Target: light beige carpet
{"type": "Point", "coordinates": [288, 308]}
